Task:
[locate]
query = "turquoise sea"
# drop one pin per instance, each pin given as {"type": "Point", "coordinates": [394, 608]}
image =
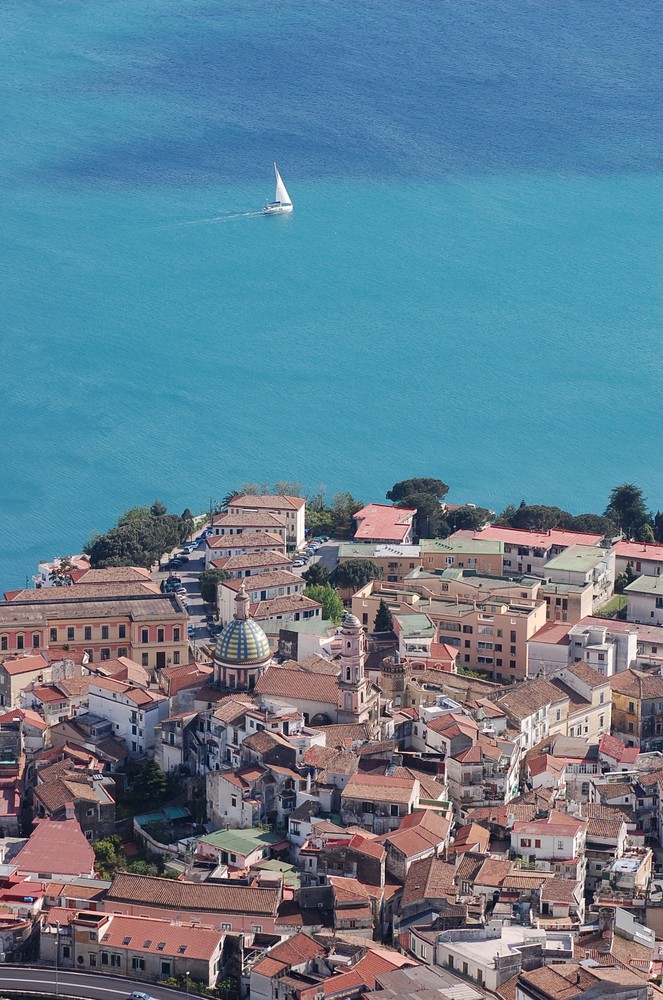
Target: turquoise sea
{"type": "Point", "coordinates": [469, 286]}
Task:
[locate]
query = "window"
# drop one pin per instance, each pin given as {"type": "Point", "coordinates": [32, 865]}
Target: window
{"type": "Point", "coordinates": [105, 654]}
{"type": "Point", "coordinates": [367, 807]}
{"type": "Point", "coordinates": [93, 960]}
{"type": "Point", "coordinates": [35, 640]}
{"type": "Point", "coordinates": [87, 633]}
{"type": "Point", "coordinates": [560, 845]}
{"type": "Point", "coordinates": [226, 927]}
{"type": "Point", "coordinates": [176, 657]}
{"type": "Point", "coordinates": [558, 715]}
{"type": "Point", "coordinates": [145, 659]}
{"type": "Point", "coordinates": [138, 963]}
{"type": "Point", "coordinates": [122, 631]}
{"type": "Point", "coordinates": [20, 642]}
{"type": "Point", "coordinates": [256, 928]}
{"type": "Point", "coordinates": [65, 951]}
{"type": "Point", "coordinates": [145, 635]}
{"type": "Point", "coordinates": [176, 634]}
{"type": "Point", "coordinates": [53, 635]}
{"type": "Point", "coordinates": [122, 650]}
{"type": "Point", "coordinates": [631, 706]}
{"type": "Point", "coordinates": [537, 843]}
{"type": "Point", "coordinates": [393, 810]}
{"type": "Point", "coordinates": [93, 935]}
{"type": "Point", "coordinates": [90, 655]}
{"type": "Point", "coordinates": [468, 629]}
{"type": "Point", "coordinates": [165, 968]}
{"type": "Point", "coordinates": [89, 812]}
{"type": "Point", "coordinates": [4, 642]}
{"type": "Point", "coordinates": [631, 727]}
{"type": "Point", "coordinates": [467, 644]}
{"type": "Point", "coordinates": [70, 634]}
{"type": "Point", "coordinates": [233, 801]}
{"type": "Point", "coordinates": [104, 631]}
{"type": "Point", "coordinates": [161, 634]}
{"type": "Point", "coordinates": [525, 842]}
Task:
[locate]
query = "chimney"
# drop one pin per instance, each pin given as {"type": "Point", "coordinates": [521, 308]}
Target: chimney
{"type": "Point", "coordinates": [69, 811]}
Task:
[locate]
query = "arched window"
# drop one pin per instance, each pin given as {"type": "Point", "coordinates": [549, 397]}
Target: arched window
{"type": "Point", "coordinates": [347, 674]}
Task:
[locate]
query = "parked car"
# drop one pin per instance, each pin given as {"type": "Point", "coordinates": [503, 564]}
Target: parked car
{"type": "Point", "coordinates": [189, 547]}
{"type": "Point", "coordinates": [175, 563]}
{"type": "Point", "coordinates": [299, 562]}
{"type": "Point", "coordinates": [137, 995]}
{"type": "Point", "coordinates": [322, 538]}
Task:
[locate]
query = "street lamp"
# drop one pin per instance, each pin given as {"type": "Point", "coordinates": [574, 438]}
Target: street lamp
{"type": "Point", "coordinates": [57, 950]}
{"type": "Point", "coordinates": [187, 981]}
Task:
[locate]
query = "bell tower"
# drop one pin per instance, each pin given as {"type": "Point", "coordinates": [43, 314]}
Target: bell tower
{"type": "Point", "coordinates": [352, 682]}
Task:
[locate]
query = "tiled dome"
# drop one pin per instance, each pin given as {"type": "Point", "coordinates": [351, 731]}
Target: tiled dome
{"type": "Point", "coordinates": [242, 641]}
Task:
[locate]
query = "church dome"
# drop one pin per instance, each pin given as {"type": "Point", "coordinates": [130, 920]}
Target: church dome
{"type": "Point", "coordinates": [241, 642]}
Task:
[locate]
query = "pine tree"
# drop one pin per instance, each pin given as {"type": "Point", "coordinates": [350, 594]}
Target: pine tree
{"type": "Point", "coordinates": [383, 620]}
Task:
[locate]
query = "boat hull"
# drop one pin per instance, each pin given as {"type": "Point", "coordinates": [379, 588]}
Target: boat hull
{"type": "Point", "coordinates": [276, 208]}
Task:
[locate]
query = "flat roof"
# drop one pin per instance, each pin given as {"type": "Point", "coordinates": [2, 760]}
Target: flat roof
{"type": "Point", "coordinates": [470, 546]}
{"type": "Point", "coordinates": [415, 625]}
{"type": "Point", "coordinates": [645, 585]}
{"type": "Point", "coordinates": [580, 558]}
{"type": "Point", "coordinates": [240, 841]}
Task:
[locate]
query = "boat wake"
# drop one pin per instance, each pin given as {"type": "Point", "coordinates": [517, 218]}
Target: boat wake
{"type": "Point", "coordinates": [228, 217]}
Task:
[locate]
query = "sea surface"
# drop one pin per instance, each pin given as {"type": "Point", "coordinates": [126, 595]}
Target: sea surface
{"type": "Point", "coordinates": [469, 286]}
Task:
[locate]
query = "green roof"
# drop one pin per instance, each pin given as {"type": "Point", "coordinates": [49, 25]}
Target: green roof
{"type": "Point", "coordinates": [240, 841]}
{"type": "Point", "coordinates": [291, 876]}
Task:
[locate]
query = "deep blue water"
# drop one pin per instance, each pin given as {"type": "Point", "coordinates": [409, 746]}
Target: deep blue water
{"type": "Point", "coordinates": [469, 286]}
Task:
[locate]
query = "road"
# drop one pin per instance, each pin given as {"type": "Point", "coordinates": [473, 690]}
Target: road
{"type": "Point", "coordinates": [327, 554]}
{"type": "Point", "coordinates": [26, 980]}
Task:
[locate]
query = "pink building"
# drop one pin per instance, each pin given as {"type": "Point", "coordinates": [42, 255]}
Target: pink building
{"type": "Point", "coordinates": [381, 522]}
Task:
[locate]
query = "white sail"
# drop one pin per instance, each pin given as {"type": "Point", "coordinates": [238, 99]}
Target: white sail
{"type": "Point", "coordinates": [281, 192]}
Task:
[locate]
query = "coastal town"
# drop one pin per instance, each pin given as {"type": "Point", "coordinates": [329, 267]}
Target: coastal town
{"type": "Point", "coordinates": [299, 749]}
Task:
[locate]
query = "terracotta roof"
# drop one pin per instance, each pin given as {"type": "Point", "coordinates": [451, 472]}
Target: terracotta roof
{"type": "Point", "coordinates": [369, 847]}
{"type": "Point", "coordinates": [247, 540]}
{"type": "Point", "coordinates": [493, 872]}
{"type": "Point", "coordinates": [588, 675]}
{"type": "Point", "coordinates": [170, 894]}
{"type": "Point", "coordinates": [283, 605]}
{"type": "Point", "coordinates": [468, 867]}
{"type": "Point", "coordinates": [530, 697]}
{"type": "Point", "coordinates": [605, 829]}
{"type": "Point", "coordinates": [268, 501]}
{"type": "Point", "coordinates": [536, 539]}
{"type": "Point", "coordinates": [56, 847]}
{"type": "Point", "coordinates": [639, 551]}
{"type": "Point", "coordinates": [428, 878]}
{"type": "Point", "coordinates": [112, 574]}
{"type": "Point", "coordinates": [248, 519]}
{"type": "Point", "coordinates": [298, 685]}
{"type": "Point", "coordinates": [151, 936]}
{"type": "Point", "coordinates": [345, 734]}
{"type": "Point", "coordinates": [263, 581]}
{"type": "Point", "coordinates": [555, 824]}
{"type": "Point", "coordinates": [65, 595]}
{"type": "Point", "coordinates": [15, 665]}
{"type": "Point", "coordinates": [231, 709]}
{"type": "Point", "coordinates": [637, 684]}
{"type": "Point", "coordinates": [471, 836]}
{"type": "Point", "coordinates": [379, 788]}
{"type": "Point", "coordinates": [252, 560]}
{"type": "Point", "coordinates": [139, 696]}
{"type": "Point", "coordinates": [539, 765]}
{"type": "Point", "coordinates": [526, 880]}
{"type": "Point", "coordinates": [269, 967]}
{"type": "Point", "coordinates": [27, 716]}
{"type": "Point", "coordinates": [296, 950]}
{"type": "Point", "coordinates": [613, 789]}
{"type": "Point", "coordinates": [419, 833]}
{"type": "Point", "coordinates": [560, 890]}
{"type": "Point", "coordinates": [559, 982]}
{"type": "Point", "coordinates": [383, 521]}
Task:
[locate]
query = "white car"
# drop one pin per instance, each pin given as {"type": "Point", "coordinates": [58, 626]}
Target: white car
{"type": "Point", "coordinates": [299, 562]}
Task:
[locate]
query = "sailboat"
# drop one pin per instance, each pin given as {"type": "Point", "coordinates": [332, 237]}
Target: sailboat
{"type": "Point", "coordinates": [281, 201]}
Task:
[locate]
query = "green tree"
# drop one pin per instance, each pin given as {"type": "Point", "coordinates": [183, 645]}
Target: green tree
{"type": "Point", "coordinates": [469, 518]}
{"type": "Point", "coordinates": [343, 507]}
{"type": "Point", "coordinates": [108, 852]}
{"type": "Point", "coordinates": [332, 605]}
{"type": "Point", "coordinates": [627, 508]}
{"type": "Point", "coordinates": [647, 534]}
{"type": "Point", "coordinates": [228, 499]}
{"type": "Point", "coordinates": [383, 620]}
{"type": "Point", "coordinates": [658, 526]}
{"type": "Point", "coordinates": [538, 517]}
{"type": "Point", "coordinates": [317, 573]}
{"type": "Point", "coordinates": [355, 573]}
{"type": "Point", "coordinates": [594, 524]}
{"type": "Point", "coordinates": [149, 784]}
{"type": "Point", "coordinates": [426, 521]}
{"type": "Point", "coordinates": [158, 509]}
{"type": "Point", "coordinates": [287, 488]}
{"type": "Point", "coordinates": [406, 487]}
{"type": "Point", "coordinates": [188, 523]}
{"type": "Point", "coordinates": [209, 579]}
{"type": "Point", "coordinates": [133, 514]}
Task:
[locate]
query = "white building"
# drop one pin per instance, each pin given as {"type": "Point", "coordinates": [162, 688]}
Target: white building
{"type": "Point", "coordinates": [556, 843]}
{"type": "Point", "coordinates": [262, 587]}
{"type": "Point", "coordinates": [645, 600]}
{"type": "Point", "coordinates": [133, 712]}
{"type": "Point", "coordinates": [582, 565]}
{"type": "Point", "coordinates": [291, 509]}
